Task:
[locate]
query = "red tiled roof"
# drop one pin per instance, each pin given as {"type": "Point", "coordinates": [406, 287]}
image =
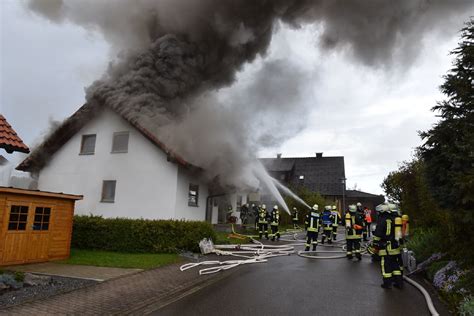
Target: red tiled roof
{"type": "Point", "coordinates": [9, 140]}
{"type": "Point", "coordinates": [39, 157]}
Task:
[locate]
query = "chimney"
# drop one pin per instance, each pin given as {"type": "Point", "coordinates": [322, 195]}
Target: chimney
{"type": "Point", "coordinates": [319, 155]}
{"type": "Point", "coordinates": [278, 156]}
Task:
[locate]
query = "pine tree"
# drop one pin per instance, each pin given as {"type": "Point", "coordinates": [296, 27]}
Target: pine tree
{"type": "Point", "coordinates": [448, 150]}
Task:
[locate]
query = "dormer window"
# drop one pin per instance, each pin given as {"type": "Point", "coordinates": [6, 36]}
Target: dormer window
{"type": "Point", "coordinates": [120, 142]}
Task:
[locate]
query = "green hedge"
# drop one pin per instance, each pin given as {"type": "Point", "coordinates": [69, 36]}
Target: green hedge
{"type": "Point", "coordinates": [138, 235]}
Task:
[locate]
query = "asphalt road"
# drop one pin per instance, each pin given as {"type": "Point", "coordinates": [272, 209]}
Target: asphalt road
{"type": "Point", "coordinates": [298, 286]}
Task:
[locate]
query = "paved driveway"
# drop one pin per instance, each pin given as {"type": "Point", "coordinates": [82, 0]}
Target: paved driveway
{"type": "Point", "coordinates": [297, 286]}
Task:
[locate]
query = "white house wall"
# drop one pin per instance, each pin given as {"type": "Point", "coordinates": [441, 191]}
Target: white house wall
{"type": "Point", "coordinates": [146, 181]}
{"type": "Point", "coordinates": [183, 210]}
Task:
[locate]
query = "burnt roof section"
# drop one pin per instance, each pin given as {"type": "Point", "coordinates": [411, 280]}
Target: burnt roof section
{"type": "Point", "coordinates": [360, 194]}
{"type": "Point", "coordinates": [41, 155]}
{"type": "Point", "coordinates": [9, 139]}
{"type": "Point", "coordinates": [321, 174]}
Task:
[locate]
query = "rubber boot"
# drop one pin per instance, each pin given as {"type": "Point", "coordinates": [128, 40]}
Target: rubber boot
{"type": "Point", "coordinates": [329, 240]}
{"type": "Point", "coordinates": [398, 282]}
{"type": "Point", "coordinates": [387, 283]}
{"type": "Point", "coordinates": [278, 236]}
{"type": "Point", "coordinates": [322, 239]}
{"type": "Point", "coordinates": [349, 256]}
{"type": "Point", "coordinates": [314, 247]}
{"type": "Point", "coordinates": [307, 248]}
{"type": "Point", "coordinates": [358, 256]}
{"type": "Point", "coordinates": [266, 236]}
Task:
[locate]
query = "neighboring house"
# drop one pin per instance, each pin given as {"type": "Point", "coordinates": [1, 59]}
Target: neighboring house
{"type": "Point", "coordinates": [9, 140]}
{"type": "Point", "coordinates": [120, 168]}
{"type": "Point", "coordinates": [325, 175]}
{"type": "Point", "coordinates": [367, 199]}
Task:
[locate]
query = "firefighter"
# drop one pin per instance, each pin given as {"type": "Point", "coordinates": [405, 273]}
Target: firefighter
{"type": "Point", "coordinates": [327, 220]}
{"type": "Point", "coordinates": [312, 227]}
{"type": "Point", "coordinates": [387, 245]}
{"type": "Point", "coordinates": [294, 218]}
{"type": "Point", "coordinates": [263, 222]}
{"type": "Point", "coordinates": [368, 221]}
{"type": "Point", "coordinates": [255, 210]}
{"type": "Point", "coordinates": [360, 211]}
{"type": "Point", "coordinates": [274, 222]}
{"type": "Point", "coordinates": [353, 223]}
{"type": "Point", "coordinates": [335, 223]}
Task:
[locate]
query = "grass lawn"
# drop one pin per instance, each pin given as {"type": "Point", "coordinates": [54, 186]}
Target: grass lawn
{"type": "Point", "coordinates": [120, 260]}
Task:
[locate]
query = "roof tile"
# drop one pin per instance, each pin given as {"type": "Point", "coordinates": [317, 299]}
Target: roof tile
{"type": "Point", "coordinates": [9, 139]}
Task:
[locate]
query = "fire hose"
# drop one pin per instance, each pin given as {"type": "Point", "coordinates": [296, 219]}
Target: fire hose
{"type": "Point", "coordinates": [425, 293]}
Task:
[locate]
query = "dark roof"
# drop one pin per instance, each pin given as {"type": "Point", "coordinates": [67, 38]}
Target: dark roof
{"type": "Point", "coordinates": [360, 194]}
{"type": "Point", "coordinates": [280, 164]}
{"type": "Point", "coordinates": [9, 140]}
{"type": "Point", "coordinates": [41, 155]}
{"type": "Point", "coordinates": [321, 174]}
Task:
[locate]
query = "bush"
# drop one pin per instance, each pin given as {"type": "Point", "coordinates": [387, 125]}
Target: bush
{"type": "Point", "coordinates": [466, 307]}
{"type": "Point", "coordinates": [138, 235]}
{"type": "Point", "coordinates": [425, 242]}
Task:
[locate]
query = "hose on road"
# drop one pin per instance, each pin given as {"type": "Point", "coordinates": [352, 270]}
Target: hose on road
{"type": "Point", "coordinates": [425, 293]}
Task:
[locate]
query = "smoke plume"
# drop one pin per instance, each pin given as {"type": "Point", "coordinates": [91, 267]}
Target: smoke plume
{"type": "Point", "coordinates": [176, 59]}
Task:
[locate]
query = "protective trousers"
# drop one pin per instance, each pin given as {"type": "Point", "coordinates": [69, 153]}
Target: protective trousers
{"type": "Point", "coordinates": [369, 232]}
{"type": "Point", "coordinates": [311, 239]}
{"type": "Point", "coordinates": [327, 233]}
{"type": "Point", "coordinates": [334, 232]}
{"type": "Point", "coordinates": [275, 232]}
{"type": "Point", "coordinates": [392, 270]}
{"type": "Point", "coordinates": [263, 228]}
{"type": "Point", "coordinates": [353, 248]}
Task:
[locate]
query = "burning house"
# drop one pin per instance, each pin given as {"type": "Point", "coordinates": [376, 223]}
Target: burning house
{"type": "Point", "coordinates": [119, 166]}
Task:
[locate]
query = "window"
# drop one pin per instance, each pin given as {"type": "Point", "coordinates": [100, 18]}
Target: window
{"type": "Point", "coordinates": [108, 191]}
{"type": "Point", "coordinates": [18, 217]}
{"type": "Point", "coordinates": [88, 144]}
{"type": "Point", "coordinates": [120, 142]}
{"type": "Point", "coordinates": [42, 215]}
{"type": "Point", "coordinates": [193, 196]}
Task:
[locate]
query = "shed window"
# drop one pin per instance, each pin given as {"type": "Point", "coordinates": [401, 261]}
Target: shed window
{"type": "Point", "coordinates": [193, 196]}
{"type": "Point", "coordinates": [88, 144]}
{"type": "Point", "coordinates": [108, 191]}
{"type": "Point", "coordinates": [18, 217]}
{"type": "Point", "coordinates": [120, 142]}
{"type": "Point", "coordinates": [41, 221]}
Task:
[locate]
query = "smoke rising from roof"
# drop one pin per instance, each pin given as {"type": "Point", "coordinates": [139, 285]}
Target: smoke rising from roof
{"type": "Point", "coordinates": [177, 58]}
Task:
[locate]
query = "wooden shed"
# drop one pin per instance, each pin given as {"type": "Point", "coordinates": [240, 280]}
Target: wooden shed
{"type": "Point", "coordinates": [36, 226]}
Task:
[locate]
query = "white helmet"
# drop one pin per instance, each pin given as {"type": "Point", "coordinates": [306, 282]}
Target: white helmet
{"type": "Point", "coordinates": [294, 208]}
{"type": "Point", "coordinates": [382, 208]}
{"type": "Point", "coordinates": [327, 207]}
{"type": "Point", "coordinates": [359, 204]}
{"type": "Point", "coordinates": [264, 206]}
{"type": "Point", "coordinates": [275, 207]}
{"type": "Point", "coordinates": [352, 208]}
{"type": "Point", "coordinates": [334, 207]}
{"type": "Point", "coordinates": [392, 208]}
{"type": "Point", "coordinates": [315, 207]}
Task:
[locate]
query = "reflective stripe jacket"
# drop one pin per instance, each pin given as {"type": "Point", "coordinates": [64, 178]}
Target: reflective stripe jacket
{"type": "Point", "coordinates": [353, 219]}
{"type": "Point", "coordinates": [384, 235]}
{"type": "Point", "coordinates": [262, 216]}
{"type": "Point", "coordinates": [295, 215]}
{"type": "Point", "coordinates": [335, 218]}
{"type": "Point", "coordinates": [275, 218]}
{"type": "Point", "coordinates": [312, 221]}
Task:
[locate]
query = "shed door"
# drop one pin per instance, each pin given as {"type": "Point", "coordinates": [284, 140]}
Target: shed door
{"type": "Point", "coordinates": [26, 232]}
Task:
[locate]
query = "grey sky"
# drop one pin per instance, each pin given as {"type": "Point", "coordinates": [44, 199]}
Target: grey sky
{"type": "Point", "coordinates": [370, 116]}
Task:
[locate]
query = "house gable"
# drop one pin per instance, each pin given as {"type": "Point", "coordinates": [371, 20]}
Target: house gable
{"type": "Point", "coordinates": [145, 180]}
